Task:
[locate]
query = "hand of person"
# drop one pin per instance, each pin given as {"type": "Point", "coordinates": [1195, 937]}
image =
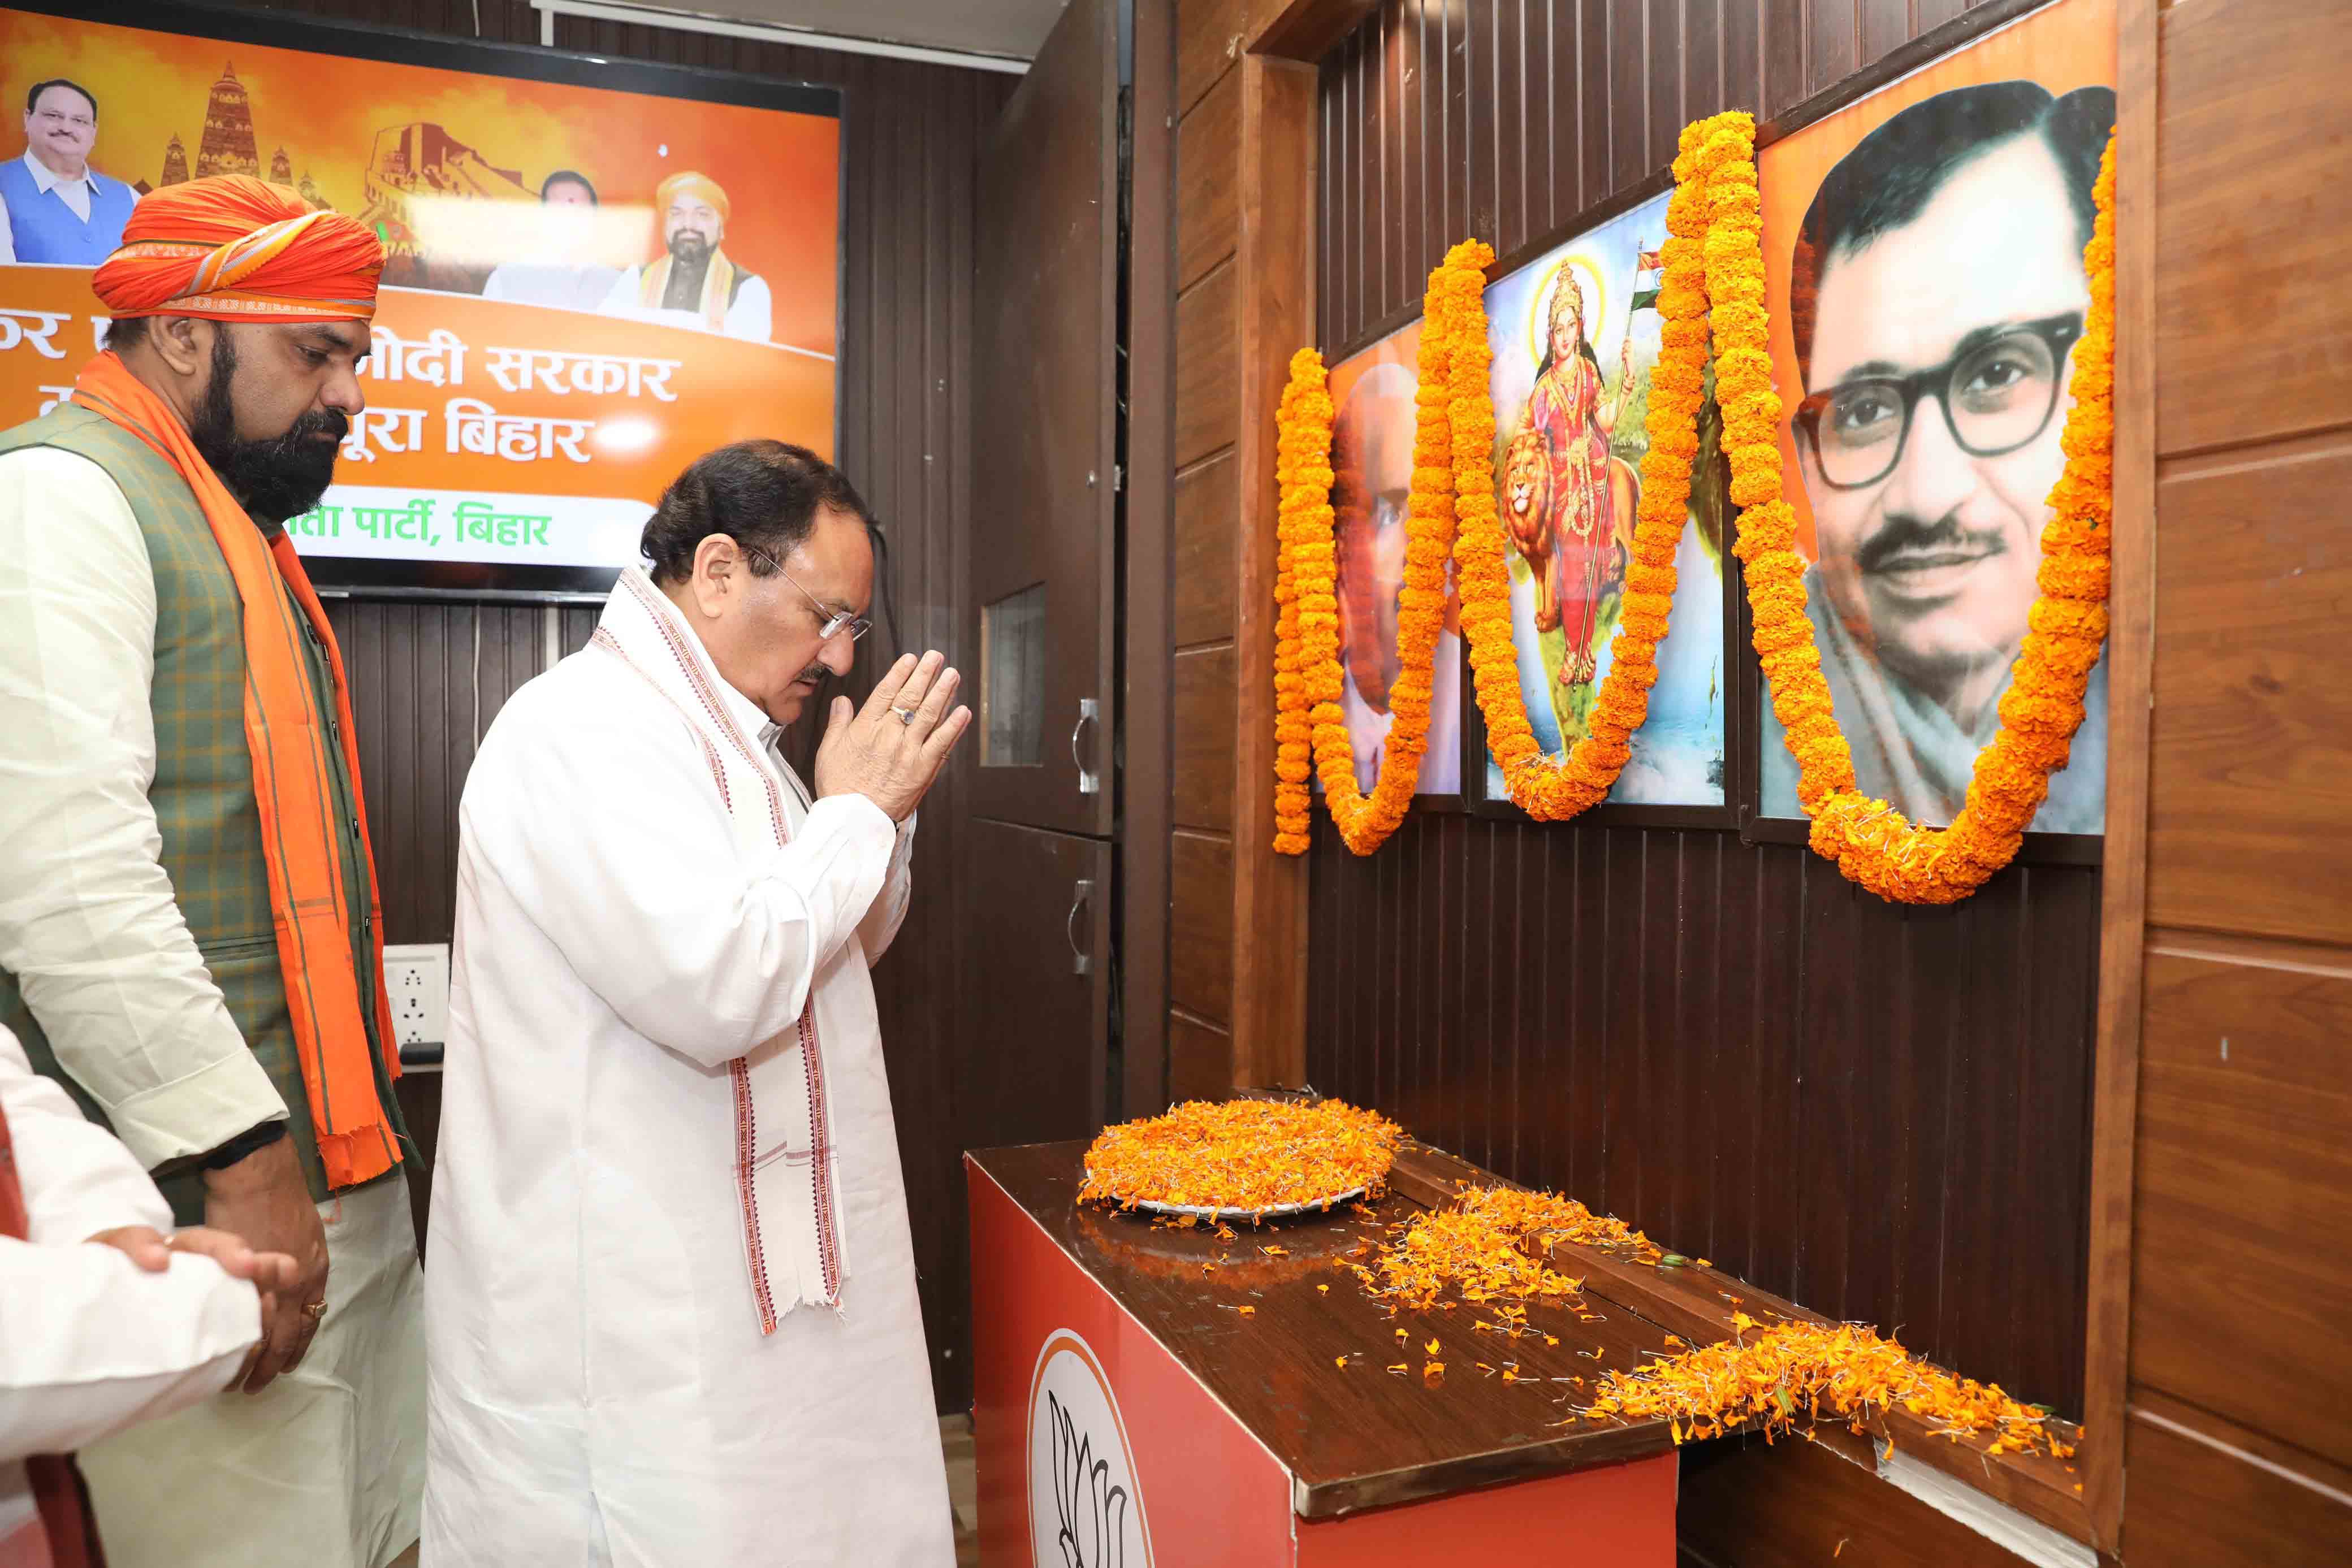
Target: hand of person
{"type": "Point", "coordinates": [891, 749]}
{"type": "Point", "coordinates": [273, 1274]}
{"type": "Point", "coordinates": [263, 1200]}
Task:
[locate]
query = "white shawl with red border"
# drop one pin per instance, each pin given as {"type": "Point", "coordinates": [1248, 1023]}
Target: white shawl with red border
{"type": "Point", "coordinates": [784, 1168]}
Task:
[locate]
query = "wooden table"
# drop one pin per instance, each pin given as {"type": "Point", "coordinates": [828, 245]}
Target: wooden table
{"type": "Point", "coordinates": [1150, 1397]}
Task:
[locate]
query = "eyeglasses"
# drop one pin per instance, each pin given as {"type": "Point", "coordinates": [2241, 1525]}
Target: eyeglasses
{"type": "Point", "coordinates": [1998, 392]}
{"type": "Point", "coordinates": [834, 620]}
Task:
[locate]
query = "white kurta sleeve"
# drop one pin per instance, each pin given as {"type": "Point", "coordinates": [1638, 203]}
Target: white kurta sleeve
{"type": "Point", "coordinates": [621, 300]}
{"type": "Point", "coordinates": [615, 838]}
{"type": "Point", "coordinates": [90, 1342]}
{"type": "Point", "coordinates": [88, 921]}
{"type": "Point", "coordinates": [78, 1179]}
{"type": "Point", "coordinates": [880, 927]}
{"type": "Point", "coordinates": [751, 314]}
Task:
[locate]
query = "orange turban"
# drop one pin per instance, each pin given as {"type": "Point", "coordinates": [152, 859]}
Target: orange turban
{"type": "Point", "coordinates": [693, 184]}
{"type": "Point", "coordinates": [233, 248]}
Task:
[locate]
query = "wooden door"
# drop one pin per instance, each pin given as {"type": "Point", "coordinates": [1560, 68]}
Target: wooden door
{"type": "Point", "coordinates": [1037, 993]}
{"type": "Point", "coordinates": [1045, 374]}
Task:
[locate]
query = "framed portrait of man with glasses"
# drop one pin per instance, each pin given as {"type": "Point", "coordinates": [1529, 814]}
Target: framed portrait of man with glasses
{"type": "Point", "coordinates": [1924, 273]}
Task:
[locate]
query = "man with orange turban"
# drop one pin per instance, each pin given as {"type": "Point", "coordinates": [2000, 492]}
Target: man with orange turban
{"type": "Point", "coordinates": [694, 284]}
{"type": "Point", "coordinates": [189, 937]}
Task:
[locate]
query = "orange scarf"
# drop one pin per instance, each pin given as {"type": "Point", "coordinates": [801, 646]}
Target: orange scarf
{"type": "Point", "coordinates": [718, 289]}
{"type": "Point", "coordinates": [287, 735]}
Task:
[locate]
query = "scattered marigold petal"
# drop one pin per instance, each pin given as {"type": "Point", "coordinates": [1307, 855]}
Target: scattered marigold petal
{"type": "Point", "coordinates": [1795, 1372]}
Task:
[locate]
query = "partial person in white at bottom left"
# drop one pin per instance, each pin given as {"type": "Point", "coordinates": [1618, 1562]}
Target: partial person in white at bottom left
{"type": "Point", "coordinates": [108, 1317]}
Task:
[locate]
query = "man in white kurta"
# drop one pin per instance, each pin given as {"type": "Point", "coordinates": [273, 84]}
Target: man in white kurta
{"type": "Point", "coordinates": [106, 1317]}
{"type": "Point", "coordinates": [628, 1367]}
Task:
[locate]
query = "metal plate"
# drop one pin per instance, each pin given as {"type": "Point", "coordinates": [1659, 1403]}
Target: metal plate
{"type": "Point", "coordinates": [1279, 1211]}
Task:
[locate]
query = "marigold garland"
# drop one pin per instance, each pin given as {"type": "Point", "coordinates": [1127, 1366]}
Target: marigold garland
{"type": "Point", "coordinates": [1869, 839]}
{"type": "Point", "coordinates": [1306, 659]}
{"type": "Point", "coordinates": [1712, 285]}
{"type": "Point", "coordinates": [1545, 789]}
{"type": "Point", "coordinates": [1300, 442]}
{"type": "Point", "coordinates": [1795, 1372]}
{"type": "Point", "coordinates": [1247, 1155]}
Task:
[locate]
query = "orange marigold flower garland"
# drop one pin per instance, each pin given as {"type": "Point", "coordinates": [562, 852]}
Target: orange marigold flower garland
{"type": "Point", "coordinates": [1307, 687]}
{"type": "Point", "coordinates": [1247, 1155]}
{"type": "Point", "coordinates": [1303, 446]}
{"type": "Point", "coordinates": [1797, 1372]}
{"type": "Point", "coordinates": [1545, 789]}
{"type": "Point", "coordinates": [1869, 840]}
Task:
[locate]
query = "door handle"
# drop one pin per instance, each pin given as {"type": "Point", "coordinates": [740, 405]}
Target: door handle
{"type": "Point", "coordinates": [1081, 961]}
{"type": "Point", "coordinates": [1090, 781]}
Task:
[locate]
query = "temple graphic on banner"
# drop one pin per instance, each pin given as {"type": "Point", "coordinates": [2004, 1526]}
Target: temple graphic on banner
{"type": "Point", "coordinates": [282, 168]}
{"type": "Point", "coordinates": [227, 147]}
{"type": "Point", "coordinates": [175, 162]}
{"type": "Point", "coordinates": [417, 162]}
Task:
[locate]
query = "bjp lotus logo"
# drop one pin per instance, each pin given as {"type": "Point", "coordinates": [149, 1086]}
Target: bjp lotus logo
{"type": "Point", "coordinates": [1085, 1509]}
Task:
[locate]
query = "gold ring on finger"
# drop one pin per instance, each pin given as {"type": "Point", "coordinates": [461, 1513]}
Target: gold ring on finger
{"type": "Point", "coordinates": [315, 1310]}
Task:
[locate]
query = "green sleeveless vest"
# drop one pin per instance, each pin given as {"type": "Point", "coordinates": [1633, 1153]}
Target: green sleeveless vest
{"type": "Point", "coordinates": [203, 790]}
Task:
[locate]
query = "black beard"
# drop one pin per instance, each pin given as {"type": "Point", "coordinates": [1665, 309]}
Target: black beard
{"type": "Point", "coordinates": [688, 248]}
{"type": "Point", "coordinates": [274, 480]}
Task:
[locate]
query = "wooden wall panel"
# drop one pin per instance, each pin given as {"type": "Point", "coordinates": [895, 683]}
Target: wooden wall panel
{"type": "Point", "coordinates": [2253, 739]}
{"type": "Point", "coordinates": [426, 677]}
{"type": "Point", "coordinates": [1203, 794]}
{"type": "Point", "coordinates": [2244, 1218]}
{"type": "Point", "coordinates": [1209, 35]}
{"type": "Point", "coordinates": [1208, 180]}
{"type": "Point", "coordinates": [2235, 306]}
{"type": "Point", "coordinates": [426, 681]}
{"type": "Point", "coordinates": [1201, 926]}
{"type": "Point", "coordinates": [2238, 1434]}
{"type": "Point", "coordinates": [1208, 388]}
{"type": "Point", "coordinates": [1204, 561]}
{"type": "Point", "coordinates": [1803, 1505]}
{"type": "Point", "coordinates": [2196, 1505]}
{"type": "Point", "coordinates": [1200, 1060]}
{"type": "Point", "coordinates": [1881, 1112]}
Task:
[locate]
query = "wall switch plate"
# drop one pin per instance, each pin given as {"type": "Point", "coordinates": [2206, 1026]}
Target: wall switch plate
{"type": "Point", "coordinates": [416, 986]}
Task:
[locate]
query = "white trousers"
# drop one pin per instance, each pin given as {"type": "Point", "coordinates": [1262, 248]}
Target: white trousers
{"type": "Point", "coordinates": [323, 1468]}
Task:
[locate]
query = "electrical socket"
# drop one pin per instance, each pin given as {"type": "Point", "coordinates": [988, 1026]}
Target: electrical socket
{"type": "Point", "coordinates": [416, 985]}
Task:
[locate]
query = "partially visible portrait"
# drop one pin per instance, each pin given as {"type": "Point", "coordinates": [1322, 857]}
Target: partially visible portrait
{"type": "Point", "coordinates": [1371, 488]}
{"type": "Point", "coordinates": [1928, 300]}
{"type": "Point", "coordinates": [1574, 334]}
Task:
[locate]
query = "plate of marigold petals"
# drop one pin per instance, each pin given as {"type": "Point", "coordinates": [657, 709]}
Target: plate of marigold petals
{"type": "Point", "coordinates": [1242, 1159]}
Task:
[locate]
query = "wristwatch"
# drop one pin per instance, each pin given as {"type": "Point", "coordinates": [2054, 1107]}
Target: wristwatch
{"type": "Point", "coordinates": [250, 1142]}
